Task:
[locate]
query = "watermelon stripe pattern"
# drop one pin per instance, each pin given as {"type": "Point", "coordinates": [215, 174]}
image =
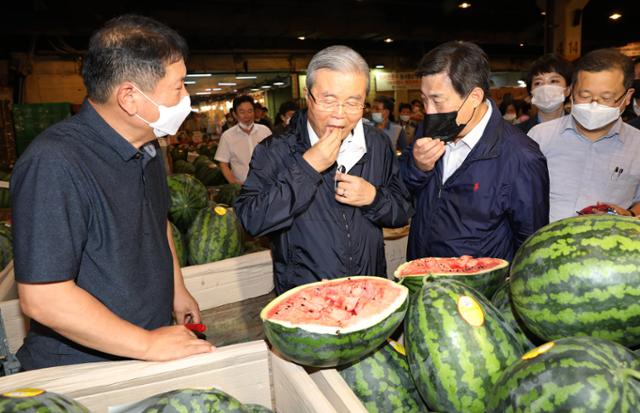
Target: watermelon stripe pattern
{"type": "Point", "coordinates": [503, 304]}
{"type": "Point", "coordinates": [454, 363]}
{"type": "Point", "coordinates": [40, 401]}
{"type": "Point", "coordinates": [189, 400]}
{"type": "Point", "coordinates": [188, 196]}
{"type": "Point", "coordinates": [383, 383]}
{"type": "Point", "coordinates": [579, 276]}
{"type": "Point", "coordinates": [214, 235]}
{"type": "Point", "coordinates": [575, 374]}
{"type": "Point", "coordinates": [178, 242]}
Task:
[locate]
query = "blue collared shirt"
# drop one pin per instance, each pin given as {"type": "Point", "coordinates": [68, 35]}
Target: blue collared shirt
{"type": "Point", "coordinates": [583, 172]}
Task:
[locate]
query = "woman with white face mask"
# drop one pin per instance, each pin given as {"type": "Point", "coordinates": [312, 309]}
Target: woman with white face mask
{"type": "Point", "coordinates": [549, 81]}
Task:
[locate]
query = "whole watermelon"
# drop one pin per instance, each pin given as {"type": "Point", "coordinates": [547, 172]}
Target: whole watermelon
{"type": "Point", "coordinates": [189, 400]}
{"type": "Point", "coordinates": [227, 194]}
{"type": "Point", "coordinates": [382, 381]}
{"type": "Point", "coordinates": [6, 246]}
{"type": "Point", "coordinates": [5, 195]}
{"type": "Point", "coordinates": [210, 174]}
{"type": "Point", "coordinates": [178, 242]}
{"type": "Point", "coordinates": [183, 167]}
{"type": "Point", "coordinates": [575, 374]}
{"type": "Point", "coordinates": [457, 345]}
{"type": "Point", "coordinates": [580, 276]}
{"type": "Point", "coordinates": [503, 304]}
{"type": "Point", "coordinates": [214, 235]}
{"type": "Point", "coordinates": [188, 197]}
{"type": "Point", "coordinates": [38, 401]}
{"type": "Point", "coordinates": [256, 408]}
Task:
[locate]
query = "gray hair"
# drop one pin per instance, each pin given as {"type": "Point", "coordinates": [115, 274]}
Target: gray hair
{"type": "Point", "coordinates": [341, 59]}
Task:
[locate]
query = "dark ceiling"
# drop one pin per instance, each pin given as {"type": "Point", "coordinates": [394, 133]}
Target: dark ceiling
{"type": "Point", "coordinates": [502, 27]}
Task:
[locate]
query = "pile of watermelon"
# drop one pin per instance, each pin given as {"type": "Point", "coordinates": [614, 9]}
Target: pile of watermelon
{"type": "Point", "coordinates": [470, 332]}
{"type": "Point", "coordinates": [202, 231]}
{"type": "Point", "coordinates": [6, 246]}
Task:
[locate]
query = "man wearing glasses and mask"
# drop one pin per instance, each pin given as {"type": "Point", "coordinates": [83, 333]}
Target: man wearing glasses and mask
{"type": "Point", "coordinates": [480, 185]}
{"type": "Point", "coordinates": [592, 153]}
{"type": "Point", "coordinates": [323, 190]}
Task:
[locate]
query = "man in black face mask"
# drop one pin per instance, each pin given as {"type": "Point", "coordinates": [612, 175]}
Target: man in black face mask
{"type": "Point", "coordinates": [480, 186]}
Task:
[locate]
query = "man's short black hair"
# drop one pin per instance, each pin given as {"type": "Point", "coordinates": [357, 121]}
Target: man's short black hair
{"type": "Point", "coordinates": [130, 48]}
{"type": "Point", "coordinates": [404, 106]}
{"type": "Point", "coordinates": [242, 99]}
{"type": "Point", "coordinates": [386, 101]}
{"type": "Point", "coordinates": [606, 59]}
{"type": "Point", "coordinates": [549, 63]}
{"type": "Point", "coordinates": [466, 64]}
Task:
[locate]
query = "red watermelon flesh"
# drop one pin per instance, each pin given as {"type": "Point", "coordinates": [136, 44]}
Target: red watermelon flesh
{"type": "Point", "coordinates": [465, 265]}
{"type": "Point", "coordinates": [336, 304]}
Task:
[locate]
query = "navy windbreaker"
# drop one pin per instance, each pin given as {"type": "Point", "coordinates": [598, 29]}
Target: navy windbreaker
{"type": "Point", "coordinates": [489, 206]}
{"type": "Point", "coordinates": [313, 236]}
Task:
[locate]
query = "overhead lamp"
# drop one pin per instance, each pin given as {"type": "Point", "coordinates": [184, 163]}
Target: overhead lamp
{"type": "Point", "coordinates": [301, 37]}
{"type": "Point", "coordinates": [464, 5]}
{"type": "Point", "coordinates": [216, 89]}
{"type": "Point", "coordinates": [203, 93]}
{"type": "Point", "coordinates": [388, 40]}
{"type": "Point", "coordinates": [246, 77]}
{"type": "Point", "coordinates": [199, 75]}
{"type": "Point", "coordinates": [543, 13]}
{"type": "Point", "coordinates": [379, 66]}
{"type": "Point", "coordinates": [189, 82]}
{"type": "Point", "coordinates": [615, 16]}
{"type": "Point", "coordinates": [227, 84]}
{"type": "Point", "coordinates": [521, 44]}
{"type": "Point", "coordinates": [278, 83]}
{"type": "Point", "coordinates": [265, 87]}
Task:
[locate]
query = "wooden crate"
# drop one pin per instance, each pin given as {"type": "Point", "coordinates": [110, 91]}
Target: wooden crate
{"type": "Point", "coordinates": [337, 391]}
{"type": "Point", "coordinates": [248, 371]}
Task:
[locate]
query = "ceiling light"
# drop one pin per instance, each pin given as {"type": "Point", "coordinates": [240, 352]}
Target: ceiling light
{"type": "Point", "coordinates": [301, 37]}
{"type": "Point", "coordinates": [521, 45]}
{"type": "Point", "coordinates": [388, 40]}
{"type": "Point", "coordinates": [246, 77]}
{"type": "Point", "coordinates": [615, 16]}
{"type": "Point", "coordinates": [216, 89]}
{"type": "Point", "coordinates": [199, 75]}
{"type": "Point", "coordinates": [203, 93]}
{"type": "Point", "coordinates": [255, 90]}
{"type": "Point", "coordinates": [464, 5]}
{"type": "Point", "coordinates": [189, 82]}
{"type": "Point", "coordinates": [379, 66]}
{"type": "Point", "coordinates": [227, 83]}
{"type": "Point", "coordinates": [235, 90]}
{"type": "Point", "coordinates": [543, 13]}
{"type": "Point", "coordinates": [266, 87]}
{"type": "Point", "coordinates": [278, 83]}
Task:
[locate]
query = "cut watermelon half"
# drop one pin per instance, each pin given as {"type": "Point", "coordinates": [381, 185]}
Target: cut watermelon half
{"type": "Point", "coordinates": [483, 274]}
{"type": "Point", "coordinates": [334, 322]}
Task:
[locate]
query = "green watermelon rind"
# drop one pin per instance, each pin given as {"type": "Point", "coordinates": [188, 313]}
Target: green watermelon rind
{"type": "Point", "coordinates": [330, 350]}
{"type": "Point", "coordinates": [188, 196]}
{"type": "Point", "coordinates": [46, 402]}
{"type": "Point", "coordinates": [577, 374]}
{"type": "Point", "coordinates": [501, 301]}
{"type": "Point", "coordinates": [454, 364]}
{"type": "Point", "coordinates": [579, 276]}
{"type": "Point", "coordinates": [179, 244]}
{"type": "Point", "coordinates": [487, 281]}
{"type": "Point", "coordinates": [213, 237]}
{"type": "Point", "coordinates": [189, 400]}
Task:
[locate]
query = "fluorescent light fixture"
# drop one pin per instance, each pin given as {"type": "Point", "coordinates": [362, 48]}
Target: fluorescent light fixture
{"type": "Point", "coordinates": [379, 66]}
{"type": "Point", "coordinates": [521, 44]}
{"type": "Point", "coordinates": [216, 89]}
{"type": "Point", "coordinates": [246, 77]}
{"type": "Point", "coordinates": [199, 75]}
{"type": "Point", "coordinates": [464, 5]}
{"type": "Point", "coordinates": [266, 87]}
{"type": "Point", "coordinates": [615, 16]}
{"type": "Point", "coordinates": [543, 13]}
{"type": "Point", "coordinates": [189, 82]}
{"type": "Point", "coordinates": [227, 84]}
{"type": "Point", "coordinates": [203, 93]}
{"type": "Point", "coordinates": [278, 83]}
{"type": "Point", "coordinates": [388, 40]}
{"type": "Point", "coordinates": [301, 37]}
{"type": "Point", "coordinates": [255, 90]}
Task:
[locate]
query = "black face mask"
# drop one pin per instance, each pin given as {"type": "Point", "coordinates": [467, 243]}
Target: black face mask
{"type": "Point", "coordinates": [443, 126]}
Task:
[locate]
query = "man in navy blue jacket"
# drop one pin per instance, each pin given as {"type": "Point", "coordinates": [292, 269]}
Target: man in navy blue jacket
{"type": "Point", "coordinates": [324, 189]}
{"type": "Point", "coordinates": [480, 185]}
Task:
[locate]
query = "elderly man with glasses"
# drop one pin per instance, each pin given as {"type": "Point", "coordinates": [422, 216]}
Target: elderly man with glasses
{"type": "Point", "coordinates": [323, 190]}
{"type": "Point", "coordinates": [592, 154]}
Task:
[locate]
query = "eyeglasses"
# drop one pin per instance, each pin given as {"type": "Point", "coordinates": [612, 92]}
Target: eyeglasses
{"type": "Point", "coordinates": [351, 107]}
{"type": "Point", "coordinates": [609, 101]}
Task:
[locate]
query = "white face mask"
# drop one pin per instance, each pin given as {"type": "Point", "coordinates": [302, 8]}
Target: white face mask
{"type": "Point", "coordinates": [377, 117]}
{"type": "Point", "coordinates": [548, 98]}
{"type": "Point", "coordinates": [171, 117]}
{"type": "Point", "coordinates": [405, 118]}
{"type": "Point", "coordinates": [593, 115]}
{"type": "Point", "coordinates": [246, 126]}
{"type": "Point", "coordinates": [636, 107]}
{"type": "Point", "coordinates": [509, 117]}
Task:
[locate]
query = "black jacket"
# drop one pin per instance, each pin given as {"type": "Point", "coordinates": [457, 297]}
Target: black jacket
{"type": "Point", "coordinates": [489, 206]}
{"type": "Point", "coordinates": [313, 236]}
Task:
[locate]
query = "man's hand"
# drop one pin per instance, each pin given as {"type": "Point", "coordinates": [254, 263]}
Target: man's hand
{"type": "Point", "coordinates": [426, 152]}
{"type": "Point", "coordinates": [324, 153]}
{"type": "Point", "coordinates": [185, 307]}
{"type": "Point", "coordinates": [616, 208]}
{"type": "Point", "coordinates": [174, 342]}
{"type": "Point", "coordinates": [353, 190]}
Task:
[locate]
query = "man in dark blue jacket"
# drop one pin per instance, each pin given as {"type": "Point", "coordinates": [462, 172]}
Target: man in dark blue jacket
{"type": "Point", "coordinates": [324, 189]}
{"type": "Point", "coordinates": [481, 186]}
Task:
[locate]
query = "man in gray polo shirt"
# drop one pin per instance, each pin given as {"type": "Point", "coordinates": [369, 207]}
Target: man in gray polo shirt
{"type": "Point", "coordinates": [591, 154]}
{"type": "Point", "coordinates": [94, 259]}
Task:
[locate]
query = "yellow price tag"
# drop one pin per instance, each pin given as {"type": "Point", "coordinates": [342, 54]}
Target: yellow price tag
{"type": "Point", "coordinates": [538, 350]}
{"type": "Point", "coordinates": [220, 210]}
{"type": "Point", "coordinates": [23, 393]}
{"type": "Point", "coordinates": [470, 311]}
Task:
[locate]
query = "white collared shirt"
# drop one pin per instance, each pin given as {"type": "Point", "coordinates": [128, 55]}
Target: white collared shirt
{"type": "Point", "coordinates": [352, 149]}
{"type": "Point", "coordinates": [456, 152]}
{"type": "Point", "coordinates": [236, 148]}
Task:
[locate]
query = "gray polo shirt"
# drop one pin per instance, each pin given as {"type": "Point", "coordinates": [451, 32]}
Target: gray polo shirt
{"type": "Point", "coordinates": [583, 172]}
{"type": "Point", "coordinates": [90, 207]}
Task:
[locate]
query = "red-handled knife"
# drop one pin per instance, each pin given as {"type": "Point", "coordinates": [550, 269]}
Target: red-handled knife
{"type": "Point", "coordinates": [196, 327]}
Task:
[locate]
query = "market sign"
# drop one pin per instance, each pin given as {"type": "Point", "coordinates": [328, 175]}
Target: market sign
{"type": "Point", "coordinates": [387, 81]}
